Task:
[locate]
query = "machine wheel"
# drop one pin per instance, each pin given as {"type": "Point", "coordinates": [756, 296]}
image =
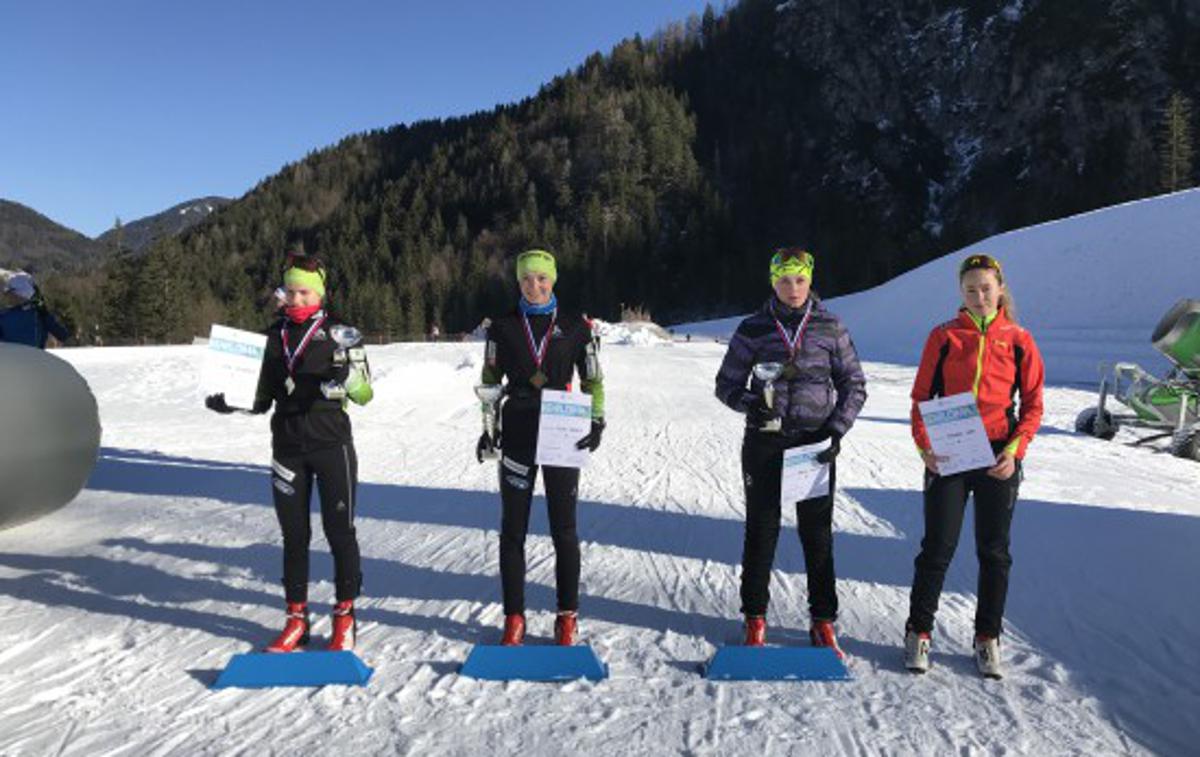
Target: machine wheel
{"type": "Point", "coordinates": [1090, 422]}
{"type": "Point", "coordinates": [1186, 444]}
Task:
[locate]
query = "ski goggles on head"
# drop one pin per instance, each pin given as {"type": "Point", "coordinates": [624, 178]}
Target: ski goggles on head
{"type": "Point", "coordinates": [980, 262]}
{"type": "Point", "coordinates": [791, 261]}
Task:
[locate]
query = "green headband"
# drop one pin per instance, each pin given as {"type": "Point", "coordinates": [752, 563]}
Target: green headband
{"type": "Point", "coordinates": [791, 263]}
{"type": "Point", "coordinates": [314, 280]}
{"type": "Point", "coordinates": [536, 261]}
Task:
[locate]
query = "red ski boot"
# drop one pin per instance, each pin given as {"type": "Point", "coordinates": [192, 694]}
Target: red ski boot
{"type": "Point", "coordinates": [823, 635]}
{"type": "Point", "coordinates": [756, 630]}
{"type": "Point", "coordinates": [514, 631]}
{"type": "Point", "coordinates": [566, 625]}
{"type": "Point", "coordinates": [295, 631]}
{"type": "Point", "coordinates": [345, 627]}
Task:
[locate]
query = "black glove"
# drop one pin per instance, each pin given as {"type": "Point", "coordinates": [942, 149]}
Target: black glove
{"type": "Point", "coordinates": [216, 403]}
{"type": "Point", "coordinates": [591, 442]}
{"type": "Point", "coordinates": [758, 414]}
{"type": "Point", "coordinates": [827, 456]}
{"type": "Point", "coordinates": [486, 444]}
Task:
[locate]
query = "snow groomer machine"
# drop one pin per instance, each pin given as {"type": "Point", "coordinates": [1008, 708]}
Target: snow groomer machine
{"type": "Point", "coordinates": [1171, 406]}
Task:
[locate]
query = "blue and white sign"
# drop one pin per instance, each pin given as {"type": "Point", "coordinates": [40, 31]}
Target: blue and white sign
{"type": "Point", "coordinates": [232, 364]}
{"type": "Point", "coordinates": [803, 477]}
{"type": "Point", "coordinates": [566, 418]}
{"type": "Point", "coordinates": [956, 433]}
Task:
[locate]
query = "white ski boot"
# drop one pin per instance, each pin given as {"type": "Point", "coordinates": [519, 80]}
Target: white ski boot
{"type": "Point", "coordinates": [916, 650]}
{"type": "Point", "coordinates": [987, 657]}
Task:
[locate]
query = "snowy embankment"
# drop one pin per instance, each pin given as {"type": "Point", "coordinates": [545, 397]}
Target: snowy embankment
{"type": "Point", "coordinates": [1091, 288]}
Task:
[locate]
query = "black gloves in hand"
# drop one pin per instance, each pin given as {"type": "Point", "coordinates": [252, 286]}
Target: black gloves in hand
{"type": "Point", "coordinates": [759, 414]}
{"type": "Point", "coordinates": [486, 444]}
{"type": "Point", "coordinates": [591, 442]}
{"type": "Point", "coordinates": [827, 456]}
{"type": "Point", "coordinates": [216, 403]}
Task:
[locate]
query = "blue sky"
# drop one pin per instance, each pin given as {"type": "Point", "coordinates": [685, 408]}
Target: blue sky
{"type": "Point", "coordinates": [124, 108]}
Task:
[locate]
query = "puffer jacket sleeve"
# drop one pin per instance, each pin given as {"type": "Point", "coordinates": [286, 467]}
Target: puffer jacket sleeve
{"type": "Point", "coordinates": [849, 380]}
{"type": "Point", "coordinates": [735, 372]}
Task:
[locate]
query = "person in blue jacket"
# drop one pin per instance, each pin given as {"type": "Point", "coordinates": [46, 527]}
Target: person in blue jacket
{"type": "Point", "coordinates": [24, 318]}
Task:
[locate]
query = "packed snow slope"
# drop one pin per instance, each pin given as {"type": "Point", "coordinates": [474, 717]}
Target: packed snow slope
{"type": "Point", "coordinates": [117, 611]}
{"type": "Point", "coordinates": [1091, 288]}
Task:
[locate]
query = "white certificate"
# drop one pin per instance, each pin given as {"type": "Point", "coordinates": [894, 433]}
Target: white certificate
{"type": "Point", "coordinates": [566, 418]}
{"type": "Point", "coordinates": [232, 364]}
{"type": "Point", "coordinates": [956, 433]}
{"type": "Point", "coordinates": [803, 477]}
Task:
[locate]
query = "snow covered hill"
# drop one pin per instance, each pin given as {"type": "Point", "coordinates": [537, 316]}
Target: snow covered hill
{"type": "Point", "coordinates": [1091, 288]}
{"type": "Point", "coordinates": [117, 611]}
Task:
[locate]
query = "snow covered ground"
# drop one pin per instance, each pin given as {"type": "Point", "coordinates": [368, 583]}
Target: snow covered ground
{"type": "Point", "coordinates": [117, 611]}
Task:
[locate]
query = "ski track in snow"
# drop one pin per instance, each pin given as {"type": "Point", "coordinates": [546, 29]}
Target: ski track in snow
{"type": "Point", "coordinates": [117, 612]}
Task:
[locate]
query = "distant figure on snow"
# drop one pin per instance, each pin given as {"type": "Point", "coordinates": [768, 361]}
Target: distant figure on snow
{"type": "Point", "coordinates": [24, 317]}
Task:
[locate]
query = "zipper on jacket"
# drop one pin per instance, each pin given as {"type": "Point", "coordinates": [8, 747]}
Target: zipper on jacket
{"type": "Point", "coordinates": [981, 324]}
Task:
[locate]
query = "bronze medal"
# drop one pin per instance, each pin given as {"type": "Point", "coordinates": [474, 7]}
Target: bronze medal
{"type": "Point", "coordinates": [790, 371]}
{"type": "Point", "coordinates": [538, 379]}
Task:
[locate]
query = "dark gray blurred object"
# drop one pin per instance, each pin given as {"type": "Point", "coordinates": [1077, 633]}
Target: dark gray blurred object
{"type": "Point", "coordinates": [49, 433]}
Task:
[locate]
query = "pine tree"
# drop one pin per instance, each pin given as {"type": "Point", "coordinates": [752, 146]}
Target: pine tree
{"type": "Point", "coordinates": [1177, 149]}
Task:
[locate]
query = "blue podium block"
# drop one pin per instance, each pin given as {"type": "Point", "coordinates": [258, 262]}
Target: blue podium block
{"type": "Point", "coordinates": [261, 670]}
{"type": "Point", "coordinates": [736, 663]}
{"type": "Point", "coordinates": [534, 663]}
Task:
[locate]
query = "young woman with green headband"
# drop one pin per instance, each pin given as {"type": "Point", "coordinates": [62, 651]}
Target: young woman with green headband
{"type": "Point", "coordinates": [982, 351]}
{"type": "Point", "coordinates": [313, 365]}
{"type": "Point", "coordinates": [531, 348]}
{"type": "Point", "coordinates": [815, 394]}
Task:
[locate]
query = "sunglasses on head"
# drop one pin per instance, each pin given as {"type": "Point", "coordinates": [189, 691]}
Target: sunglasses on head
{"type": "Point", "coordinates": [304, 261]}
{"type": "Point", "coordinates": [784, 254]}
{"type": "Point", "coordinates": [980, 262]}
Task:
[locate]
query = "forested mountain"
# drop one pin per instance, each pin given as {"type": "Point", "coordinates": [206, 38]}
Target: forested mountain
{"type": "Point", "coordinates": [879, 133]}
{"type": "Point", "coordinates": [30, 240]}
{"type": "Point", "coordinates": [139, 234]}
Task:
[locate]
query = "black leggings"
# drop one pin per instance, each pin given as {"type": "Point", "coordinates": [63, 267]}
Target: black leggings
{"type": "Point", "coordinates": [336, 471]}
{"type": "Point", "coordinates": [945, 506]}
{"type": "Point", "coordinates": [762, 467]}
{"type": "Point", "coordinates": [517, 477]}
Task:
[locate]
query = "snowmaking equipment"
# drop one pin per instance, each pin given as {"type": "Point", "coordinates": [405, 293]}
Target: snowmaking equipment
{"type": "Point", "coordinates": [1172, 404]}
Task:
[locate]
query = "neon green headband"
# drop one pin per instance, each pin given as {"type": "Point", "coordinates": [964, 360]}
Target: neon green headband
{"type": "Point", "coordinates": [536, 261]}
{"type": "Point", "coordinates": [314, 280]}
{"type": "Point", "coordinates": [791, 262]}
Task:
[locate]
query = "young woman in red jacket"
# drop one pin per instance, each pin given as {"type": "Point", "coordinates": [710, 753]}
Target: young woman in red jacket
{"type": "Point", "coordinates": [982, 351]}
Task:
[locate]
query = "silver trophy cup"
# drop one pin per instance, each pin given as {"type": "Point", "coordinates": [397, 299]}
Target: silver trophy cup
{"type": "Point", "coordinates": [489, 395]}
{"type": "Point", "coordinates": [767, 373]}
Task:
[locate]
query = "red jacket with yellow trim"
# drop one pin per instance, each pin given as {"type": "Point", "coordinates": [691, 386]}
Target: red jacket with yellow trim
{"type": "Point", "coordinates": [995, 363]}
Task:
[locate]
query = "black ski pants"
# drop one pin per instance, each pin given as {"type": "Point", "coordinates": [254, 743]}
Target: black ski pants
{"type": "Point", "coordinates": [517, 476]}
{"type": "Point", "coordinates": [945, 506]}
{"type": "Point", "coordinates": [336, 472]}
{"type": "Point", "coordinates": [762, 468]}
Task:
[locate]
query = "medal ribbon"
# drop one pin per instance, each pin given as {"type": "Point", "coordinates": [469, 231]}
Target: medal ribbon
{"type": "Point", "coordinates": [793, 343]}
{"type": "Point", "coordinates": [538, 351]}
{"type": "Point", "coordinates": [291, 358]}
